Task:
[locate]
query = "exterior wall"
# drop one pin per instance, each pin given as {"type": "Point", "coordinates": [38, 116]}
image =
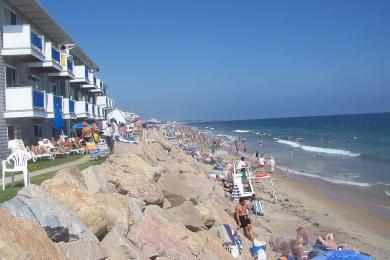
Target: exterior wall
{"type": "Point", "coordinates": [3, 124]}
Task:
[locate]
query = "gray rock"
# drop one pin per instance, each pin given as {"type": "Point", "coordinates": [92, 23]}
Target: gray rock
{"type": "Point", "coordinates": [59, 223]}
{"type": "Point", "coordinates": [95, 179]}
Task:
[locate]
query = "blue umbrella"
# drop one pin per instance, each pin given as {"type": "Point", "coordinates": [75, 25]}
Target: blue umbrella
{"type": "Point", "coordinates": [342, 254]}
{"type": "Point", "coordinates": [57, 122]}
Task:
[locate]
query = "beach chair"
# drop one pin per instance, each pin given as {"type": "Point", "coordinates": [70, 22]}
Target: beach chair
{"type": "Point", "coordinates": [18, 160]}
{"type": "Point", "coordinates": [18, 145]}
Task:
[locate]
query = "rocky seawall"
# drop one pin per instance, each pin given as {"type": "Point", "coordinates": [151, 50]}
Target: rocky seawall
{"type": "Point", "coordinates": [145, 202]}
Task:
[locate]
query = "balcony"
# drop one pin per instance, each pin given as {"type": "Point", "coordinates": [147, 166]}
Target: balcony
{"type": "Point", "coordinates": [69, 108]}
{"type": "Point", "coordinates": [22, 43]}
{"type": "Point", "coordinates": [81, 74]}
{"type": "Point", "coordinates": [25, 102]}
{"type": "Point", "coordinates": [91, 110]}
{"type": "Point", "coordinates": [66, 64]}
{"type": "Point", "coordinates": [53, 102]}
{"type": "Point", "coordinates": [91, 81]}
{"type": "Point", "coordinates": [51, 62]}
{"type": "Point", "coordinates": [81, 109]}
{"type": "Point", "coordinates": [102, 101]}
{"type": "Point", "coordinates": [98, 86]}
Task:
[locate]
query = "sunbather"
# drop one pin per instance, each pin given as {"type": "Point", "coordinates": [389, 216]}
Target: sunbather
{"type": "Point", "coordinates": [329, 243]}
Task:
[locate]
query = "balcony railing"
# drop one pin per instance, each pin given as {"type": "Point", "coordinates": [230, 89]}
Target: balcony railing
{"type": "Point", "coordinates": [38, 99]}
{"type": "Point", "coordinates": [55, 55]}
{"type": "Point", "coordinates": [24, 102]}
{"type": "Point", "coordinates": [21, 40]}
{"type": "Point", "coordinates": [69, 65]}
{"type": "Point", "coordinates": [71, 106]}
{"type": "Point", "coordinates": [36, 40]}
{"type": "Point", "coordinates": [57, 102]}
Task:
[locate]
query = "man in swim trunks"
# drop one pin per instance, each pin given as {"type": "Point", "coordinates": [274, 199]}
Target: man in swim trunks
{"type": "Point", "coordinates": [243, 214]}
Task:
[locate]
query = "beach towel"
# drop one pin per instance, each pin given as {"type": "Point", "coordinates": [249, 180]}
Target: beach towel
{"type": "Point", "coordinates": [91, 146]}
{"type": "Point", "coordinates": [258, 208]}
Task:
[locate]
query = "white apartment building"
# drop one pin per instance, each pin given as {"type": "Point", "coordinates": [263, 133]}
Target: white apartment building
{"type": "Point", "coordinates": [43, 69]}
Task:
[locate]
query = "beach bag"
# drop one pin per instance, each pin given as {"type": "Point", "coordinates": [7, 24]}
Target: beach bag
{"type": "Point", "coordinates": [258, 208]}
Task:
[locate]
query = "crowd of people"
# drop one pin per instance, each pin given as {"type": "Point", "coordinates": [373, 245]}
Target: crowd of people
{"type": "Point", "coordinates": [204, 147]}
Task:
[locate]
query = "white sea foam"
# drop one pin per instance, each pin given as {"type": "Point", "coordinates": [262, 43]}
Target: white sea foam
{"type": "Point", "coordinates": [387, 193]}
{"type": "Point", "coordinates": [328, 179]}
{"type": "Point", "coordinates": [242, 131]}
{"type": "Point", "coordinates": [319, 149]}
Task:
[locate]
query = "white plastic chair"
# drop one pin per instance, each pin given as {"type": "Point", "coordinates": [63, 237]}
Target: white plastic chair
{"type": "Point", "coordinates": [19, 160]}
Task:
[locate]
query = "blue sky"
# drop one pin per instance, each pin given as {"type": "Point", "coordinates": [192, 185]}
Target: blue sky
{"type": "Point", "coordinates": [228, 59]}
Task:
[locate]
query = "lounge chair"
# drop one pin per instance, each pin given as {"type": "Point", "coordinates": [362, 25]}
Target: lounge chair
{"type": "Point", "coordinates": [19, 164]}
{"type": "Point", "coordinates": [18, 145]}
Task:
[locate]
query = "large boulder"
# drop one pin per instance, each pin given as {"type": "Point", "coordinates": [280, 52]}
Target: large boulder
{"type": "Point", "coordinates": [60, 223]}
{"type": "Point", "coordinates": [21, 239]}
{"type": "Point", "coordinates": [187, 215]}
{"type": "Point", "coordinates": [120, 209]}
{"type": "Point", "coordinates": [159, 235]}
{"type": "Point", "coordinates": [206, 216]}
{"type": "Point", "coordinates": [213, 249]}
{"type": "Point", "coordinates": [95, 179]}
{"type": "Point", "coordinates": [81, 203]}
{"type": "Point", "coordinates": [134, 185]}
{"type": "Point", "coordinates": [132, 163]}
{"type": "Point", "coordinates": [178, 188]}
{"type": "Point", "coordinates": [86, 250]}
{"type": "Point", "coordinates": [68, 176]}
{"type": "Point", "coordinates": [118, 247]}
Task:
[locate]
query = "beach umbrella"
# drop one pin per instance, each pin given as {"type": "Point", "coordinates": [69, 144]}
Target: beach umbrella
{"type": "Point", "coordinates": [342, 254]}
{"type": "Point", "coordinates": [58, 123]}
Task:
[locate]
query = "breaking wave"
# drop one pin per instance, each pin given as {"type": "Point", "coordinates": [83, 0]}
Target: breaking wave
{"type": "Point", "coordinates": [331, 180]}
{"type": "Point", "coordinates": [242, 131]}
{"type": "Point", "coordinates": [319, 149]}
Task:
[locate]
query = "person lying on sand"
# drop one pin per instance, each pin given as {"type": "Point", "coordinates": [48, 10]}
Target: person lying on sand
{"type": "Point", "coordinates": [329, 242]}
{"type": "Point", "coordinates": [242, 214]}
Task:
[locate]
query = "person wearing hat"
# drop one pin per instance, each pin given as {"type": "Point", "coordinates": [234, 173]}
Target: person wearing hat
{"type": "Point", "coordinates": [271, 164]}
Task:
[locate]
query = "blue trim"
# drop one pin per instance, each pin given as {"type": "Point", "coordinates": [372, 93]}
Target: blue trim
{"type": "Point", "coordinates": [36, 40]}
{"type": "Point", "coordinates": [55, 55]}
{"type": "Point", "coordinates": [38, 99]}
{"type": "Point", "coordinates": [57, 102]}
{"type": "Point", "coordinates": [71, 106]}
{"type": "Point", "coordinates": [86, 107]}
{"type": "Point", "coordinates": [86, 73]}
{"type": "Point", "coordinates": [69, 65]}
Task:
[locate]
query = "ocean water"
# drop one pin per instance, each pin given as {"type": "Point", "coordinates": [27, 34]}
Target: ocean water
{"type": "Point", "coordinates": [346, 156]}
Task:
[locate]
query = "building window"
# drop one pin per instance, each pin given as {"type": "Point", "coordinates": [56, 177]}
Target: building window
{"type": "Point", "coordinates": [10, 74]}
{"type": "Point", "coordinates": [9, 16]}
{"type": "Point", "coordinates": [13, 132]}
{"type": "Point", "coordinates": [38, 131]}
